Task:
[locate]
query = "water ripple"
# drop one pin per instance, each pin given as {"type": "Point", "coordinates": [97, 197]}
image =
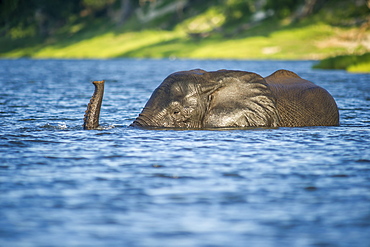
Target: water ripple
{"type": "Point", "coordinates": [122, 186]}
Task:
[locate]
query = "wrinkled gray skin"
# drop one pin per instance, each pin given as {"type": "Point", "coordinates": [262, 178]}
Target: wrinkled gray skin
{"type": "Point", "coordinates": [198, 99]}
{"type": "Point", "coordinates": [91, 119]}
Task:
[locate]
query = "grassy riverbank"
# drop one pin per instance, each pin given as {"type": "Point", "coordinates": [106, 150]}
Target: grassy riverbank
{"type": "Point", "coordinates": [201, 36]}
{"type": "Point", "coordinates": [351, 63]}
{"type": "Point", "coordinates": [293, 42]}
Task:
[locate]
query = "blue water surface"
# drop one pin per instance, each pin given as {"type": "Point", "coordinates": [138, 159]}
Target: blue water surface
{"type": "Point", "coordinates": [122, 186]}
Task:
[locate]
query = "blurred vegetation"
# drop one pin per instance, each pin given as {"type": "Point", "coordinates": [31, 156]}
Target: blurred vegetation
{"type": "Point", "coordinates": [240, 29]}
{"type": "Point", "coordinates": [352, 63]}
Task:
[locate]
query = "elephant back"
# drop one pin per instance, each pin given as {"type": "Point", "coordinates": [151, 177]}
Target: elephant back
{"type": "Point", "coordinates": [300, 102]}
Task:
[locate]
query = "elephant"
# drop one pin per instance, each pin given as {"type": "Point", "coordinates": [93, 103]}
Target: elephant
{"type": "Point", "coordinates": [197, 99]}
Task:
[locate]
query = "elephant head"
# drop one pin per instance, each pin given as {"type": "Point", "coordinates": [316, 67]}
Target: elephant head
{"type": "Point", "coordinates": [198, 99]}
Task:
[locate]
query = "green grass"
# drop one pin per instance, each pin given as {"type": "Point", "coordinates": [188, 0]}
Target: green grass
{"type": "Point", "coordinates": [299, 42]}
{"type": "Point", "coordinates": [352, 63]}
{"type": "Point", "coordinates": [272, 39]}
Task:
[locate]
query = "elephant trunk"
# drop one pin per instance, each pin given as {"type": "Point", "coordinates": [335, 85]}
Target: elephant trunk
{"type": "Point", "coordinates": [143, 121]}
{"type": "Point", "coordinates": [91, 119]}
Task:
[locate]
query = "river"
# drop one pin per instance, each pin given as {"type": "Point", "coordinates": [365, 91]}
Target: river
{"type": "Point", "coordinates": [122, 186]}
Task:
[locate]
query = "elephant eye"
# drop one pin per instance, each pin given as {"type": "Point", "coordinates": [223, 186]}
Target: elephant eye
{"type": "Point", "coordinates": [176, 112]}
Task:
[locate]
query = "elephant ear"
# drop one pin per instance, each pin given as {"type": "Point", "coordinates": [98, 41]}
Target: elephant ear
{"type": "Point", "coordinates": [239, 99]}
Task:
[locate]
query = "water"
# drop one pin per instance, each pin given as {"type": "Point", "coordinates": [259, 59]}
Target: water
{"type": "Point", "coordinates": [121, 186]}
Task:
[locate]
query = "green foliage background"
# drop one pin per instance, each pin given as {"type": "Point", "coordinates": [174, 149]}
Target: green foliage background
{"type": "Point", "coordinates": [219, 29]}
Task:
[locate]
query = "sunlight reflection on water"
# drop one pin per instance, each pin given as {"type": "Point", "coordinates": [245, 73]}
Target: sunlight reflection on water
{"type": "Point", "coordinates": [121, 186]}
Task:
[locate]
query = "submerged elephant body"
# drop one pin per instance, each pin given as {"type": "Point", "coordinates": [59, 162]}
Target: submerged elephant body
{"type": "Point", "coordinates": [199, 99]}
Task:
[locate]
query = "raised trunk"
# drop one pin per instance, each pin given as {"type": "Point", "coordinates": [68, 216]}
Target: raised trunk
{"type": "Point", "coordinates": [91, 119]}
